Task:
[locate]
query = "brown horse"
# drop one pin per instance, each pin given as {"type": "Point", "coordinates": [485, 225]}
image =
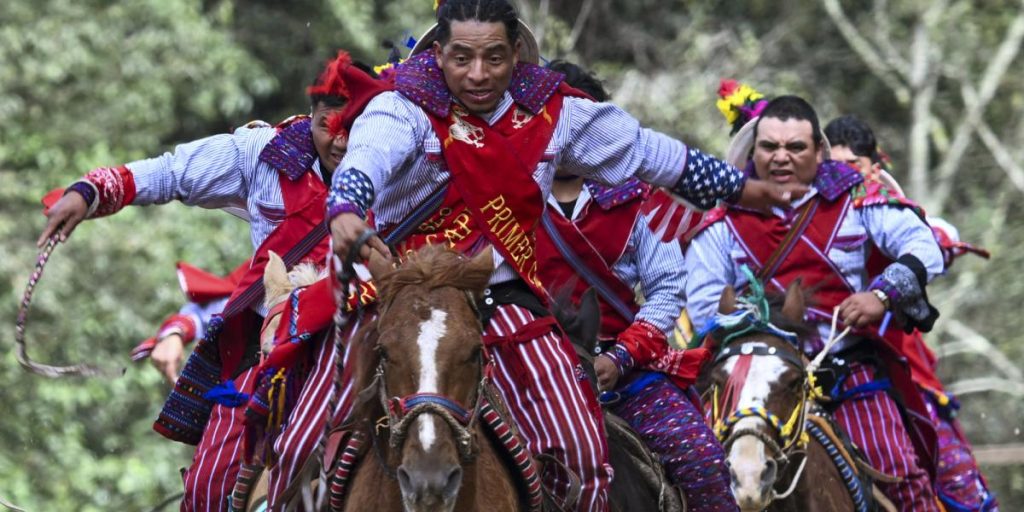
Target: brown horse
{"type": "Point", "coordinates": [761, 404]}
{"type": "Point", "coordinates": [423, 373]}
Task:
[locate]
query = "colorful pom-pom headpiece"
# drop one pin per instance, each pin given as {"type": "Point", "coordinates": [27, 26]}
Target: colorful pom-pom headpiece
{"type": "Point", "coordinates": [342, 79]}
{"type": "Point", "coordinates": [739, 103]}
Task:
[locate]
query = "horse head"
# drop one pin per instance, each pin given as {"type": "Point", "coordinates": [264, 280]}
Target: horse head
{"type": "Point", "coordinates": [428, 370]}
{"type": "Point", "coordinates": [758, 389]}
{"type": "Point", "coordinates": [279, 283]}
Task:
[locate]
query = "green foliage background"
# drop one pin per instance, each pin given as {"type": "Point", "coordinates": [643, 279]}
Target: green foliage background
{"type": "Point", "coordinates": [89, 82]}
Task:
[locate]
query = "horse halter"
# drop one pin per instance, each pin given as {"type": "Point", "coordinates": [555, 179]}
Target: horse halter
{"type": "Point", "coordinates": [791, 432]}
{"type": "Point", "coordinates": [401, 411]}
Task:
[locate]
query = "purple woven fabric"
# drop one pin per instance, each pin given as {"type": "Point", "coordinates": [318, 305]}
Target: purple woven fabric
{"type": "Point", "coordinates": [958, 481]}
{"type": "Point", "coordinates": [422, 81]}
{"type": "Point", "coordinates": [85, 190]}
{"type": "Point", "coordinates": [610, 197]}
{"type": "Point", "coordinates": [835, 179]}
{"type": "Point", "coordinates": [674, 430]}
{"type": "Point", "coordinates": [291, 151]}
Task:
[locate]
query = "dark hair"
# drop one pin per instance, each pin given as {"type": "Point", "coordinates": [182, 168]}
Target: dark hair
{"type": "Point", "coordinates": [855, 134]}
{"type": "Point", "coordinates": [579, 78]}
{"type": "Point", "coordinates": [791, 107]}
{"type": "Point", "coordinates": [488, 11]}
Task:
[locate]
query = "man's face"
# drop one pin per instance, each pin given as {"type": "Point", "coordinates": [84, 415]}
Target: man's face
{"type": "Point", "coordinates": [477, 62]}
{"type": "Point", "coordinates": [785, 152]}
{"type": "Point", "coordinates": [843, 153]}
{"type": "Point", "coordinates": [330, 149]}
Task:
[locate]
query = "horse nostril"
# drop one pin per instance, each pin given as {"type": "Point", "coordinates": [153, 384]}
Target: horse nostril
{"type": "Point", "coordinates": [404, 482]}
{"type": "Point", "coordinates": [451, 488]}
{"type": "Point", "coordinates": [769, 473]}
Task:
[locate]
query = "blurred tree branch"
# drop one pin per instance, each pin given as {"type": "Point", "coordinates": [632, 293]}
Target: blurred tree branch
{"type": "Point", "coordinates": [915, 81]}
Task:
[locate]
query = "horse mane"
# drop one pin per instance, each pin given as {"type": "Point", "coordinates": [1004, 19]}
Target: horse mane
{"type": "Point", "coordinates": [433, 266]}
{"type": "Point", "coordinates": [303, 274]}
{"type": "Point", "coordinates": [775, 301]}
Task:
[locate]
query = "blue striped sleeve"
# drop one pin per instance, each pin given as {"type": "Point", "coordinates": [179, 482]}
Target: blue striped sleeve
{"type": "Point", "coordinates": [383, 140]}
{"type": "Point", "coordinates": [709, 268]}
{"type": "Point", "coordinates": [607, 144]}
{"type": "Point", "coordinates": [658, 268]}
{"type": "Point", "coordinates": [213, 172]}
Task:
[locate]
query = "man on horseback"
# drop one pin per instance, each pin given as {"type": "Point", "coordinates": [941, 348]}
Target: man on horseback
{"type": "Point", "coordinates": [832, 241]}
{"type": "Point", "coordinates": [277, 177]}
{"type": "Point", "coordinates": [958, 480]}
{"type": "Point", "coordinates": [463, 153]}
{"type": "Point", "coordinates": [206, 293]}
{"type": "Point", "coordinates": [594, 236]}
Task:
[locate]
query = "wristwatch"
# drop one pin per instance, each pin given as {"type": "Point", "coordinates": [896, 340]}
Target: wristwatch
{"type": "Point", "coordinates": [882, 297]}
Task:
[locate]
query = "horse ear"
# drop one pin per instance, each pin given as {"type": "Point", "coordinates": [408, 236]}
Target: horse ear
{"type": "Point", "coordinates": [589, 315]}
{"type": "Point", "coordinates": [794, 307]}
{"type": "Point", "coordinates": [275, 277]}
{"type": "Point", "coordinates": [481, 267]}
{"type": "Point", "coordinates": [379, 265]}
{"type": "Point", "coordinates": [727, 304]}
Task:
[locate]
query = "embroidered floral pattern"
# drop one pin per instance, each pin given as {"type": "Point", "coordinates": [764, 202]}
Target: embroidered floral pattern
{"type": "Point", "coordinates": [115, 188]}
{"type": "Point", "coordinates": [610, 197]}
{"type": "Point", "coordinates": [422, 81]}
{"type": "Point", "coordinates": [835, 178]}
{"type": "Point", "coordinates": [900, 284]}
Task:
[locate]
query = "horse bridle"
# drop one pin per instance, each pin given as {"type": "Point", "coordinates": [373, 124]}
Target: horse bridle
{"type": "Point", "coordinates": [401, 411]}
{"type": "Point", "coordinates": [792, 432]}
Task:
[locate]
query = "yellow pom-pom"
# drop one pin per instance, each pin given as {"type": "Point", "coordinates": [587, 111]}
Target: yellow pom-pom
{"type": "Point", "coordinates": [730, 104]}
{"type": "Point", "coordinates": [435, 5]}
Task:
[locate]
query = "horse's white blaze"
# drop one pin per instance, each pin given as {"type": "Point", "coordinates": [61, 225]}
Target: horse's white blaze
{"type": "Point", "coordinates": [431, 332]}
{"type": "Point", "coordinates": [747, 456]}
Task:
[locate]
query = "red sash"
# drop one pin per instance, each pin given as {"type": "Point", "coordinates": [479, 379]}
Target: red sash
{"type": "Point", "coordinates": [304, 202]}
{"type": "Point", "coordinates": [760, 235]}
{"type": "Point", "coordinates": [595, 241]}
{"type": "Point", "coordinates": [493, 195]}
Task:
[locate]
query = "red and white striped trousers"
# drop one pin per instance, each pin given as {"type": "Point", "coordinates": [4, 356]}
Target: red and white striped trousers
{"type": "Point", "coordinates": [218, 457]}
{"type": "Point", "coordinates": [544, 386]}
{"type": "Point", "coordinates": [874, 424]}
{"type": "Point", "coordinates": [306, 422]}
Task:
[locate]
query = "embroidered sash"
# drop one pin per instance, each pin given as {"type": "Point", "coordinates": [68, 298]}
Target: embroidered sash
{"type": "Point", "coordinates": [493, 194]}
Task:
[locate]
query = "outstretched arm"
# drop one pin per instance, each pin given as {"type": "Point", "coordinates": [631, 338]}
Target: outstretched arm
{"type": "Point", "coordinates": [212, 172]}
{"type": "Point", "coordinates": [607, 144]}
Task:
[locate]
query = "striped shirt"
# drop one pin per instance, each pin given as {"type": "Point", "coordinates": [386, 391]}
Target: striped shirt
{"type": "Point", "coordinates": [222, 171]}
{"type": "Point", "coordinates": [714, 257]}
{"type": "Point", "coordinates": [656, 266]}
{"type": "Point", "coordinates": [394, 145]}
